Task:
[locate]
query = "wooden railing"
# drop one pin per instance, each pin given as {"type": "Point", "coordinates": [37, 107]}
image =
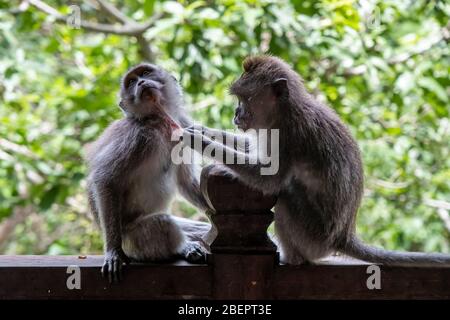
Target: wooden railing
{"type": "Point", "coordinates": [243, 265]}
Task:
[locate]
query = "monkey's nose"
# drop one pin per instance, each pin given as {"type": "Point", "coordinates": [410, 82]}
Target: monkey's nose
{"type": "Point", "coordinates": [141, 82]}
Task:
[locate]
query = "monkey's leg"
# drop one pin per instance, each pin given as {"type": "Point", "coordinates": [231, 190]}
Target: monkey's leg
{"type": "Point", "coordinates": [157, 237]}
{"type": "Point", "coordinates": [298, 233]}
{"type": "Point", "coordinates": [108, 208]}
{"type": "Point", "coordinates": [194, 230]}
{"type": "Point", "coordinates": [197, 231]}
{"type": "Point", "coordinates": [198, 241]}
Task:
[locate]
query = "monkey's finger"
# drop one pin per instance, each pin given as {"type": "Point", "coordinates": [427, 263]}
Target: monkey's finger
{"type": "Point", "coordinates": [187, 132]}
{"type": "Point", "coordinates": [117, 267]}
{"type": "Point", "coordinates": [121, 267]}
{"type": "Point", "coordinates": [195, 135]}
{"type": "Point", "coordinates": [104, 269]}
{"type": "Point", "coordinates": [119, 270]}
{"type": "Point", "coordinates": [194, 131]}
{"type": "Point", "coordinates": [110, 271]}
{"type": "Point", "coordinates": [196, 127]}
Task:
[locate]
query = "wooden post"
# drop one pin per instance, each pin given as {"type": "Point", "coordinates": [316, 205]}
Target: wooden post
{"type": "Point", "coordinates": [243, 257]}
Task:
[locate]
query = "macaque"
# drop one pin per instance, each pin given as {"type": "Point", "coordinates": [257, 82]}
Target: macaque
{"type": "Point", "coordinates": [319, 182]}
{"type": "Point", "coordinates": [132, 178]}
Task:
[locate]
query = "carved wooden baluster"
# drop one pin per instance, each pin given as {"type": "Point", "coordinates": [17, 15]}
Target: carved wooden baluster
{"type": "Point", "coordinates": [243, 256]}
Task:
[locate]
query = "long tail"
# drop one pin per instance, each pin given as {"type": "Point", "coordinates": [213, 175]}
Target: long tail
{"type": "Point", "coordinates": [359, 250]}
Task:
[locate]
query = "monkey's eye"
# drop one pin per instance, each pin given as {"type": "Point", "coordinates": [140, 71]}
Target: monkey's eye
{"type": "Point", "coordinates": [146, 73]}
{"type": "Point", "coordinates": [244, 99]}
{"type": "Point", "coordinates": [131, 83]}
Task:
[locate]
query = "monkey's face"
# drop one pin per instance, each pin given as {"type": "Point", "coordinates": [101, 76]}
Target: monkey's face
{"type": "Point", "coordinates": [262, 90]}
{"type": "Point", "coordinates": [142, 91]}
{"type": "Point", "coordinates": [255, 111]}
{"type": "Point", "coordinates": [259, 101]}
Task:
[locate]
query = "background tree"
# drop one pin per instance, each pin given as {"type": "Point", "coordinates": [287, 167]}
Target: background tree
{"type": "Point", "coordinates": [382, 65]}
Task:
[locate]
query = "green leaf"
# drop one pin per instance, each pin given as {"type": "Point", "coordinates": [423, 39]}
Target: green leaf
{"type": "Point", "coordinates": [433, 86]}
{"type": "Point", "coordinates": [149, 6]}
{"type": "Point", "coordinates": [49, 198]}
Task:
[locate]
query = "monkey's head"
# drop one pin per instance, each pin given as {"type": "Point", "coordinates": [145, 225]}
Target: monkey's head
{"type": "Point", "coordinates": [262, 89]}
{"type": "Point", "coordinates": [146, 89]}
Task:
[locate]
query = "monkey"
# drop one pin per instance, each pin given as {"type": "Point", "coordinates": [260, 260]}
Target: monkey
{"type": "Point", "coordinates": [132, 178]}
{"type": "Point", "coordinates": [319, 182]}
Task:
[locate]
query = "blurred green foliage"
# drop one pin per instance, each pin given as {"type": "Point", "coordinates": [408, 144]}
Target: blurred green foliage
{"type": "Point", "coordinates": [382, 65]}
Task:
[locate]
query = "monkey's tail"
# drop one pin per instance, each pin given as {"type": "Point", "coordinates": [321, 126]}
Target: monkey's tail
{"type": "Point", "coordinates": [357, 249]}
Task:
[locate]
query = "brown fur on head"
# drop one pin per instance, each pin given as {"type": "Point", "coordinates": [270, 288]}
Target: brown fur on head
{"type": "Point", "coordinates": [146, 89]}
{"type": "Point", "coordinates": [265, 83]}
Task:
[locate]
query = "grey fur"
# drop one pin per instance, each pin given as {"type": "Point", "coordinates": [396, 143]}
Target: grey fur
{"type": "Point", "coordinates": [132, 178]}
{"type": "Point", "coordinates": [320, 179]}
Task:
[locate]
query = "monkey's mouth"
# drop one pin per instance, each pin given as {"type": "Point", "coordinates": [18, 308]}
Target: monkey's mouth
{"type": "Point", "coordinates": [243, 127]}
{"type": "Point", "coordinates": [148, 90]}
{"type": "Point", "coordinates": [241, 123]}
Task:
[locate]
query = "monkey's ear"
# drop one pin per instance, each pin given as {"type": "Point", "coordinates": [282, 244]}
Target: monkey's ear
{"type": "Point", "coordinates": [280, 87]}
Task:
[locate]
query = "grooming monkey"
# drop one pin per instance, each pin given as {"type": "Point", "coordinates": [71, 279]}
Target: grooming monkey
{"type": "Point", "coordinates": [132, 178]}
{"type": "Point", "coordinates": [319, 183]}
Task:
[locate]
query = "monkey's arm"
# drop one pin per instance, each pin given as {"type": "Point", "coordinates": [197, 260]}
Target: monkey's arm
{"type": "Point", "coordinates": [236, 141]}
{"type": "Point", "coordinates": [249, 168]}
{"type": "Point", "coordinates": [110, 220]}
{"type": "Point", "coordinates": [189, 186]}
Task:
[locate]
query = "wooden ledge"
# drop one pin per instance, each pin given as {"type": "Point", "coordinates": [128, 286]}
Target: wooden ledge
{"type": "Point", "coordinates": [45, 277]}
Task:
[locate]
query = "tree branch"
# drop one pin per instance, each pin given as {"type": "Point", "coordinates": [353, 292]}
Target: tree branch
{"type": "Point", "coordinates": [443, 209]}
{"type": "Point", "coordinates": [16, 148]}
{"type": "Point", "coordinates": [444, 36]}
{"type": "Point", "coordinates": [134, 29]}
{"type": "Point", "coordinates": [400, 58]}
{"type": "Point", "coordinates": [8, 224]}
{"type": "Point", "coordinates": [145, 51]}
{"type": "Point", "coordinates": [111, 10]}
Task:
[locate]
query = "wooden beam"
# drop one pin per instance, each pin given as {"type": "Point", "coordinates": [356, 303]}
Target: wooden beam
{"type": "Point", "coordinates": [45, 277]}
{"type": "Point", "coordinates": [246, 276]}
{"type": "Point", "coordinates": [337, 280]}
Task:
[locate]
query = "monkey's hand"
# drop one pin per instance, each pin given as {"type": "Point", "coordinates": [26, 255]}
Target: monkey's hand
{"type": "Point", "coordinates": [199, 129]}
{"type": "Point", "coordinates": [112, 266]}
{"type": "Point", "coordinates": [195, 139]}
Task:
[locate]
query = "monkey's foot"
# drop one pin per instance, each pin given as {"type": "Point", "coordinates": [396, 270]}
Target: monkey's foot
{"type": "Point", "coordinates": [295, 260]}
{"type": "Point", "coordinates": [112, 266]}
{"type": "Point", "coordinates": [194, 252]}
